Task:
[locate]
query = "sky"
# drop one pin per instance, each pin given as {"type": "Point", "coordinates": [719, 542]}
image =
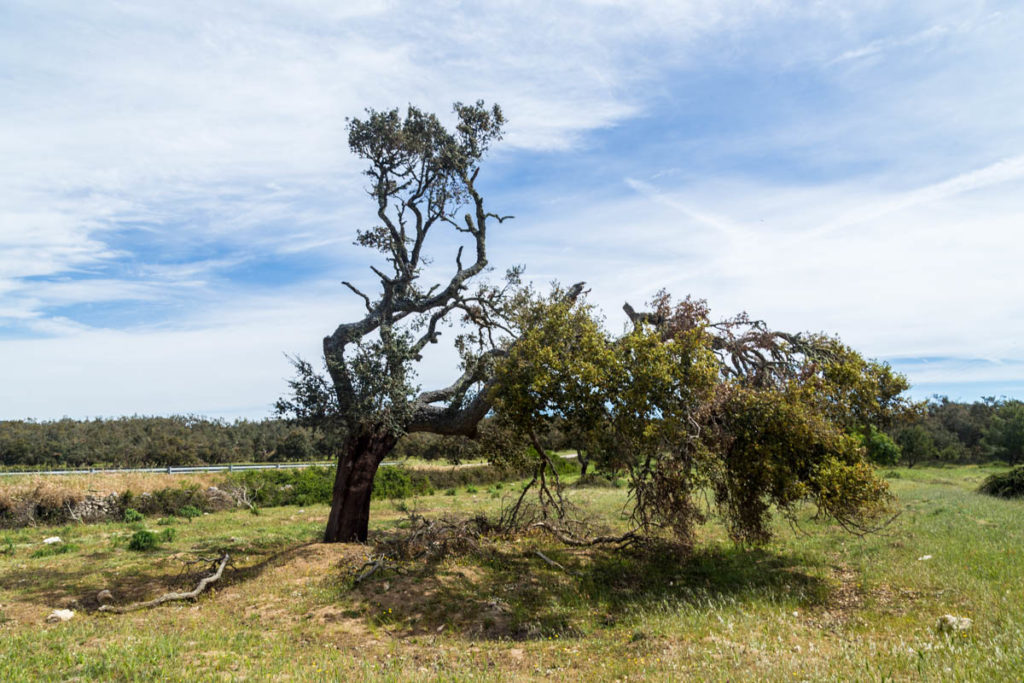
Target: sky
{"type": "Point", "coordinates": [178, 202]}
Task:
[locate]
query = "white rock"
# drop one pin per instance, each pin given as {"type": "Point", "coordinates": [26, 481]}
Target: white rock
{"type": "Point", "coordinates": [924, 557]}
{"type": "Point", "coordinates": [948, 623]}
{"type": "Point", "coordinates": [52, 539]}
{"type": "Point", "coordinates": [59, 615]}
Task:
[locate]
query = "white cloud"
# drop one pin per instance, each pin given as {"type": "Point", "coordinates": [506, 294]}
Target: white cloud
{"type": "Point", "coordinates": [220, 127]}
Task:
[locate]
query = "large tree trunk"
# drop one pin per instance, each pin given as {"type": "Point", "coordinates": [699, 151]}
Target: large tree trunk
{"type": "Point", "coordinates": [358, 461]}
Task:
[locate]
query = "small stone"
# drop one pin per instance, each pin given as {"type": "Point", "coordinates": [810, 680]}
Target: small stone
{"type": "Point", "coordinates": [52, 539]}
{"type": "Point", "coordinates": [104, 596]}
{"type": "Point", "coordinates": [797, 649]}
{"type": "Point", "coordinates": [949, 623]}
{"type": "Point", "coordinates": [924, 558]}
{"type": "Point", "coordinates": [59, 615]}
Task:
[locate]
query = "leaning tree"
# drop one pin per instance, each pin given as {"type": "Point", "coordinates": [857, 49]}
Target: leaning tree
{"type": "Point", "coordinates": [422, 177]}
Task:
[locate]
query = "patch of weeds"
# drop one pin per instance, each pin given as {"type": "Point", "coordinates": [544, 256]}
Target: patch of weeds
{"type": "Point", "coordinates": [190, 512]}
{"type": "Point", "coordinates": [471, 489]}
{"type": "Point", "coordinates": [449, 492]}
{"type": "Point", "coordinates": [7, 547]}
{"type": "Point", "coordinates": [143, 540]}
{"type": "Point", "coordinates": [54, 549]}
{"type": "Point", "coordinates": [132, 515]}
{"type": "Point", "coordinates": [165, 521]}
{"type": "Point", "coordinates": [167, 535]}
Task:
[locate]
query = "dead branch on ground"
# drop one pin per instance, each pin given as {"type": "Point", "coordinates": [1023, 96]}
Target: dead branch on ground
{"type": "Point", "coordinates": [171, 597]}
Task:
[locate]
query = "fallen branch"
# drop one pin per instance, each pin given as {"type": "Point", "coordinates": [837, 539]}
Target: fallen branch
{"type": "Point", "coordinates": [370, 568]}
{"type": "Point", "coordinates": [621, 541]}
{"type": "Point", "coordinates": [170, 597]}
{"type": "Point", "coordinates": [554, 564]}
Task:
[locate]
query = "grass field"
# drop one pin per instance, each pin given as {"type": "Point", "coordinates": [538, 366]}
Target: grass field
{"type": "Point", "coordinates": [816, 604]}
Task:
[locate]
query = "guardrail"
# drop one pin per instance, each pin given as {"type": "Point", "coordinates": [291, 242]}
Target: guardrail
{"type": "Point", "coordinates": [181, 470]}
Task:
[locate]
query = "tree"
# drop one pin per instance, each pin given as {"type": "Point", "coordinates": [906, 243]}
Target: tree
{"type": "Point", "coordinates": [684, 405]}
{"type": "Point", "coordinates": [422, 176]}
{"type": "Point", "coordinates": [1005, 432]}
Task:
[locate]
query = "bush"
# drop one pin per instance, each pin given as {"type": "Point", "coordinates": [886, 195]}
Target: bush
{"type": "Point", "coordinates": [132, 515]}
{"type": "Point", "coordinates": [170, 501]}
{"type": "Point", "coordinates": [143, 540]}
{"type": "Point", "coordinates": [880, 449]}
{"type": "Point", "coordinates": [54, 549]}
{"type": "Point", "coordinates": [1007, 485]}
{"type": "Point", "coordinates": [397, 482]}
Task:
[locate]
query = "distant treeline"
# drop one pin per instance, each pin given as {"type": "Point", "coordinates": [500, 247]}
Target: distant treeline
{"type": "Point", "coordinates": [945, 431]}
{"type": "Point", "coordinates": [949, 431]}
{"type": "Point", "coordinates": [186, 440]}
{"type": "Point", "coordinates": [137, 441]}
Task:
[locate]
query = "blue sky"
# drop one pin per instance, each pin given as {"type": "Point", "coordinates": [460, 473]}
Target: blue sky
{"type": "Point", "coordinates": [177, 202]}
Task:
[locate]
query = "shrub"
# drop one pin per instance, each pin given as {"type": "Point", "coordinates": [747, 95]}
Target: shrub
{"type": "Point", "coordinates": [167, 535]}
{"type": "Point", "coordinates": [398, 482]}
{"type": "Point", "coordinates": [190, 512]}
{"type": "Point", "coordinates": [54, 549]}
{"type": "Point", "coordinates": [1007, 485]}
{"type": "Point", "coordinates": [170, 501]}
{"type": "Point", "coordinates": [879, 448]}
{"type": "Point", "coordinates": [143, 540]}
{"type": "Point", "coordinates": [132, 515]}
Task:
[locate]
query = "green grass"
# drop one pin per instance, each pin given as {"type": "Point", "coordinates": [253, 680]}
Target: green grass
{"type": "Point", "coordinates": [816, 604]}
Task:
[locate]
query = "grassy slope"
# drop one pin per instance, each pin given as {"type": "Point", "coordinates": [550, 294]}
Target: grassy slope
{"type": "Point", "coordinates": [819, 606]}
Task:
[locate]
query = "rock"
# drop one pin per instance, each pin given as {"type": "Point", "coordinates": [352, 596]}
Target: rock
{"type": "Point", "coordinates": [52, 539]}
{"type": "Point", "coordinates": [924, 558]}
{"type": "Point", "coordinates": [104, 597]}
{"type": "Point", "coordinates": [219, 499]}
{"type": "Point", "coordinates": [949, 623]}
{"type": "Point", "coordinates": [59, 615]}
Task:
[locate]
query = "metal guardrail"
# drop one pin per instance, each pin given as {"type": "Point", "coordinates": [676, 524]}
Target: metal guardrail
{"type": "Point", "coordinates": [180, 470]}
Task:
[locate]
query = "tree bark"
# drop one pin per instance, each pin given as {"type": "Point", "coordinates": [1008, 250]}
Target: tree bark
{"type": "Point", "coordinates": [584, 461]}
{"type": "Point", "coordinates": [358, 461]}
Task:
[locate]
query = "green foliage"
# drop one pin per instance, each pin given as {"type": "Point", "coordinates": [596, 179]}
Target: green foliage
{"type": "Point", "coordinates": [880, 449]}
{"type": "Point", "coordinates": [189, 512]}
{"type": "Point", "coordinates": [54, 549]}
{"type": "Point", "coordinates": [1006, 485]}
{"type": "Point", "coordinates": [681, 405]}
{"type": "Point", "coordinates": [271, 488]}
{"type": "Point", "coordinates": [167, 535]}
{"type": "Point", "coordinates": [143, 540]}
{"type": "Point", "coordinates": [138, 442]}
{"type": "Point", "coordinates": [1005, 432]}
{"type": "Point", "coordinates": [397, 482]}
{"type": "Point", "coordinates": [916, 444]}
{"type": "Point", "coordinates": [7, 546]}
{"type": "Point", "coordinates": [132, 515]}
{"type": "Point", "coordinates": [171, 501]}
